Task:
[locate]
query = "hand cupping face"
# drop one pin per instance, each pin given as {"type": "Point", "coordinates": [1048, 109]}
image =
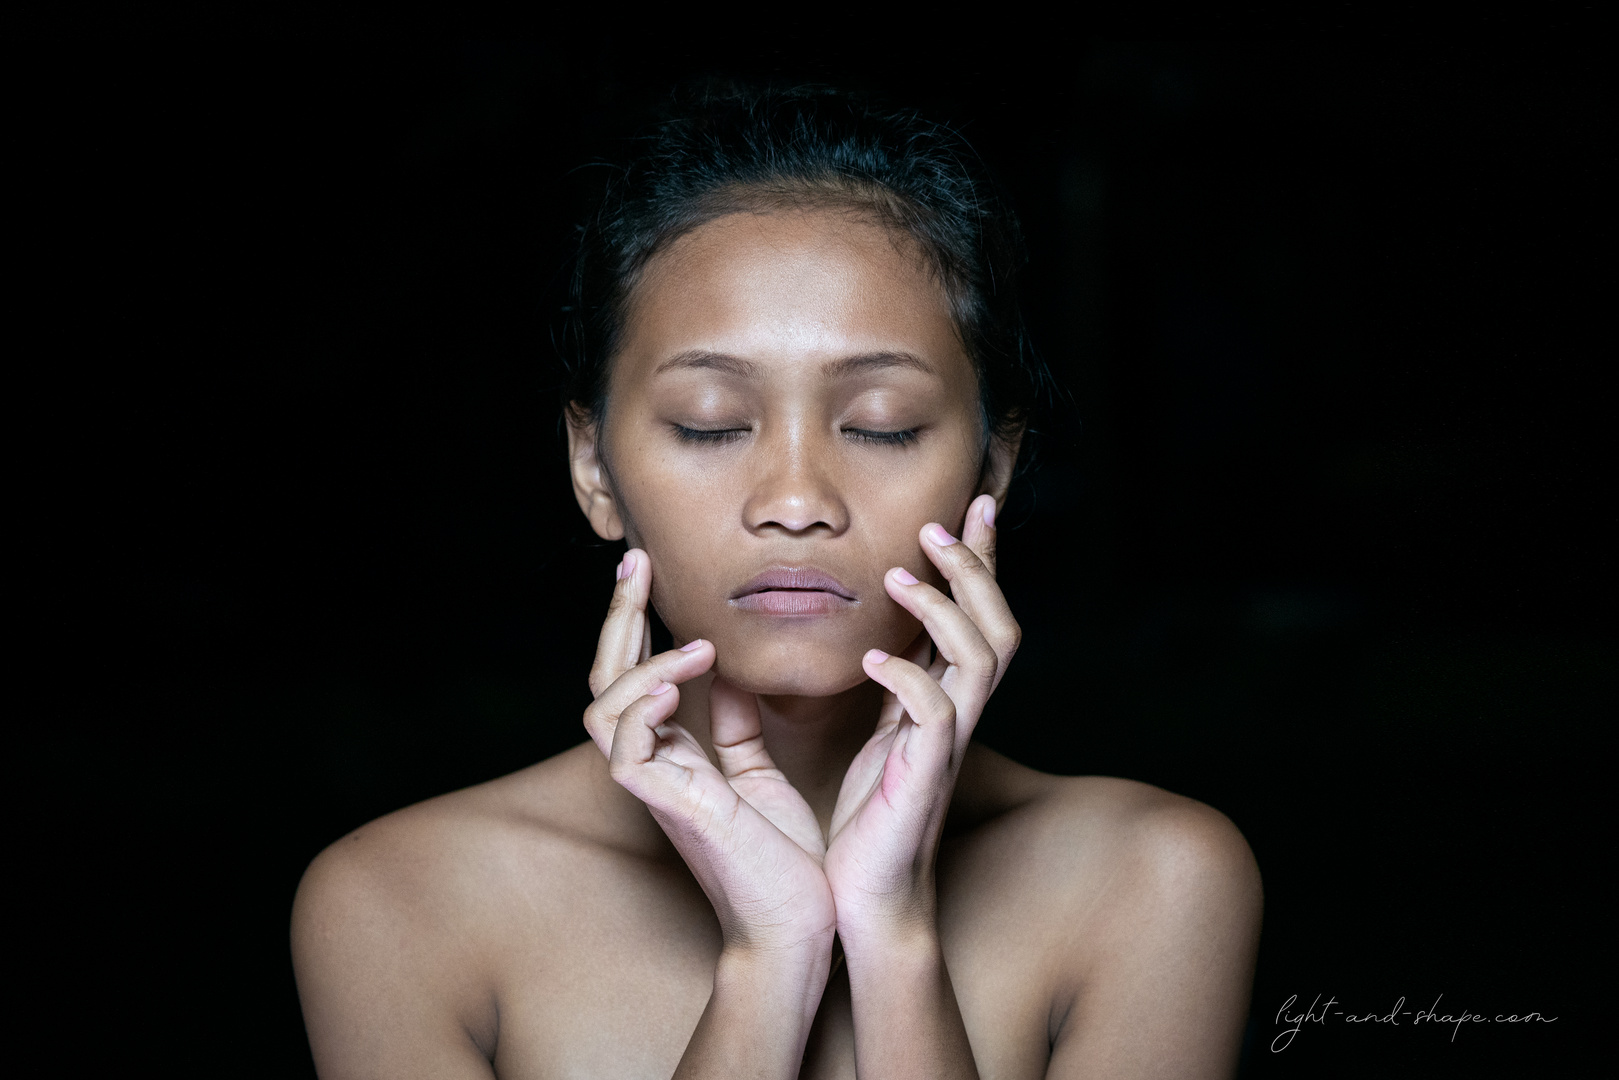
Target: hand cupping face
{"type": "Point", "coordinates": [792, 431]}
{"type": "Point", "coordinates": [749, 836]}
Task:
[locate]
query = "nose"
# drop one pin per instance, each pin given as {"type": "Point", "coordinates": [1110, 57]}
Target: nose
{"type": "Point", "coordinates": [795, 491]}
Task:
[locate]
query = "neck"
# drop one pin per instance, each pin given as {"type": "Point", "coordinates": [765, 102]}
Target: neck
{"type": "Point", "coordinates": [812, 740]}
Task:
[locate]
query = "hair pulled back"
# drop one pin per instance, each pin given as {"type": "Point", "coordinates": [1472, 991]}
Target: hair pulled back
{"type": "Point", "coordinates": [755, 151]}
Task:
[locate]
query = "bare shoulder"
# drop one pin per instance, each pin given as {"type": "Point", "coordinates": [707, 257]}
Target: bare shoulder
{"type": "Point", "coordinates": [1142, 839]}
{"type": "Point", "coordinates": [1143, 904]}
{"type": "Point", "coordinates": [398, 925]}
{"type": "Point", "coordinates": [438, 856]}
{"type": "Point", "coordinates": [1161, 844]}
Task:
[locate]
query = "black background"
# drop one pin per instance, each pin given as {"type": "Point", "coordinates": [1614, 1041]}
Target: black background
{"type": "Point", "coordinates": [1318, 538]}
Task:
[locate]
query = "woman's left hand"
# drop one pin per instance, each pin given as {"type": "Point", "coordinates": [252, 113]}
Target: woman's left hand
{"type": "Point", "coordinates": [890, 812]}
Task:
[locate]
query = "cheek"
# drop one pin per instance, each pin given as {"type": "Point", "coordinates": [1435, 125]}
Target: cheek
{"type": "Point", "coordinates": [901, 509]}
{"type": "Point", "coordinates": [678, 523]}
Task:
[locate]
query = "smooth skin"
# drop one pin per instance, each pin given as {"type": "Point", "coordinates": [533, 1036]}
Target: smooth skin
{"type": "Point", "coordinates": [780, 853]}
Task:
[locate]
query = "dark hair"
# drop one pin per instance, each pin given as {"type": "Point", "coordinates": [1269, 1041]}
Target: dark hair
{"type": "Point", "coordinates": [736, 150]}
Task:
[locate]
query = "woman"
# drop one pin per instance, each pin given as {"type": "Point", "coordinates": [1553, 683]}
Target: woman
{"type": "Point", "coordinates": [799, 375]}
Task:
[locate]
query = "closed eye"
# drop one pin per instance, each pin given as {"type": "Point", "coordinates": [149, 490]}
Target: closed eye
{"type": "Point", "coordinates": [709, 436]}
{"type": "Point", "coordinates": [883, 438]}
{"type": "Point", "coordinates": [714, 436]}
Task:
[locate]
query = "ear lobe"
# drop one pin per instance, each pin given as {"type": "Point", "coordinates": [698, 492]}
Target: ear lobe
{"type": "Point", "coordinates": [590, 485]}
{"type": "Point", "coordinates": [999, 463]}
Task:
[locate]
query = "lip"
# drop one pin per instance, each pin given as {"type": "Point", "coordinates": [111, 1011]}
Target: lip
{"type": "Point", "coordinates": [793, 590]}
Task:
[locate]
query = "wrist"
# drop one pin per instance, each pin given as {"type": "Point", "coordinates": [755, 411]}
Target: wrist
{"type": "Point", "coordinates": [902, 919]}
{"type": "Point", "coordinates": [894, 932]}
{"type": "Point", "coordinates": [798, 941]}
{"type": "Point", "coordinates": [766, 954]}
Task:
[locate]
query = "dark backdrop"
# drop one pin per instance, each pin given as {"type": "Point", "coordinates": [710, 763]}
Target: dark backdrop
{"type": "Point", "coordinates": [1317, 537]}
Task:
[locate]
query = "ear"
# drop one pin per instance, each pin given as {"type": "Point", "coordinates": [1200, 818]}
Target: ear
{"type": "Point", "coordinates": [590, 485]}
{"type": "Point", "coordinates": [999, 463]}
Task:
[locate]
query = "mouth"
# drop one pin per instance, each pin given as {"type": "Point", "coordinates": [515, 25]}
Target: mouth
{"type": "Point", "coordinates": [785, 590]}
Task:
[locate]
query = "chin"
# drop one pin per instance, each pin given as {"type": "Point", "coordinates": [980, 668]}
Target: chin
{"type": "Point", "coordinates": [789, 669]}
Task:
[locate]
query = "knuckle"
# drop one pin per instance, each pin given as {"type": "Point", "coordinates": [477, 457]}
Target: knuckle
{"type": "Point", "coordinates": [984, 657]}
{"type": "Point", "coordinates": [967, 560]}
{"type": "Point", "coordinates": [637, 710]}
{"type": "Point", "coordinates": [1014, 638]}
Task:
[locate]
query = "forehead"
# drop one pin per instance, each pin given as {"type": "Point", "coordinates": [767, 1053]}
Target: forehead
{"type": "Point", "coordinates": [791, 288]}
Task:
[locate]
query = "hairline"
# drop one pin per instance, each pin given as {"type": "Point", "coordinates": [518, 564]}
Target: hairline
{"type": "Point", "coordinates": [859, 197]}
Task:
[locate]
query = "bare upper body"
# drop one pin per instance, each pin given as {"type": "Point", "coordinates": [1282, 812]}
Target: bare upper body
{"type": "Point", "coordinates": [781, 854]}
{"type": "Point", "coordinates": [541, 925]}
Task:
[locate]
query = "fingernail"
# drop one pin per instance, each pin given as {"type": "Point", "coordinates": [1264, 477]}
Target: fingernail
{"type": "Point", "coordinates": [904, 576]}
{"type": "Point", "coordinates": [624, 567]}
{"type": "Point", "coordinates": [661, 688]}
{"type": "Point", "coordinates": [989, 513]}
{"type": "Point", "coordinates": [937, 534]}
{"type": "Point", "coordinates": [690, 645]}
{"type": "Point", "coordinates": [875, 656]}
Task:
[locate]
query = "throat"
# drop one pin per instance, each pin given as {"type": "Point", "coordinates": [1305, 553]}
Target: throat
{"type": "Point", "coordinates": [813, 740]}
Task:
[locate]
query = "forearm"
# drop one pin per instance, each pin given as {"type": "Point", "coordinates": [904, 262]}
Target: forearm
{"type": "Point", "coordinates": [906, 1020]}
{"type": "Point", "coordinates": [759, 1016]}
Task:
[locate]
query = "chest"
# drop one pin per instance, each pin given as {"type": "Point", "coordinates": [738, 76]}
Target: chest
{"type": "Point", "coordinates": [611, 977]}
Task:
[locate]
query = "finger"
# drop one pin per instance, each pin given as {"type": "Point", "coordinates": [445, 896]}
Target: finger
{"type": "Point", "coordinates": [620, 645]}
{"type": "Point", "coordinates": [973, 664]}
{"type": "Point", "coordinates": [635, 740]}
{"type": "Point", "coordinates": [924, 654]}
{"type": "Point", "coordinates": [736, 731]}
{"type": "Point", "coordinates": [676, 666]}
{"type": "Point", "coordinates": [931, 711]}
{"type": "Point", "coordinates": [646, 638]}
{"type": "Point", "coordinates": [921, 653]}
{"type": "Point", "coordinates": [973, 586]}
{"type": "Point", "coordinates": [979, 531]}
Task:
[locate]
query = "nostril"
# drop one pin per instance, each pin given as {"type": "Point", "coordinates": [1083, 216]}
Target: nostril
{"type": "Point", "coordinates": [796, 525]}
{"type": "Point", "coordinates": [797, 504]}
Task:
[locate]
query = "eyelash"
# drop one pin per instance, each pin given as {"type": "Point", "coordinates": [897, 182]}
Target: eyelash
{"type": "Point", "coordinates": [698, 435]}
{"type": "Point", "coordinates": [724, 435]}
{"type": "Point", "coordinates": [883, 438]}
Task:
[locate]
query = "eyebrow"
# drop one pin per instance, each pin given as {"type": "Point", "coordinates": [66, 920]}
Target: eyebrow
{"type": "Point", "coordinates": [747, 369]}
{"type": "Point", "coordinates": [698, 358]}
{"type": "Point", "coordinates": [876, 361]}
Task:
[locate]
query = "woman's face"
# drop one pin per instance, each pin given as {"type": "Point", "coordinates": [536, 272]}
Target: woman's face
{"type": "Point", "coordinates": [789, 406]}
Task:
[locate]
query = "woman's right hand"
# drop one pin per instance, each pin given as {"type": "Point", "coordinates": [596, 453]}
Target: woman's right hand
{"type": "Point", "coordinates": [747, 834]}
